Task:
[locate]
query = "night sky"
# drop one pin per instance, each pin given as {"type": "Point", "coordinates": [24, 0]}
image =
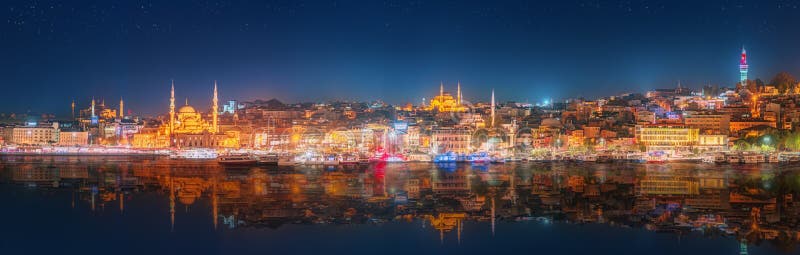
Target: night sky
{"type": "Point", "coordinates": [398, 51]}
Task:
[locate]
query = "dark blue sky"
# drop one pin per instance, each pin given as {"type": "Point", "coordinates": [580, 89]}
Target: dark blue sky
{"type": "Point", "coordinates": [398, 51]}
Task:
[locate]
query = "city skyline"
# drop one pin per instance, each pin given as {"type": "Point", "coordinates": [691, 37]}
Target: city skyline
{"type": "Point", "coordinates": [393, 51]}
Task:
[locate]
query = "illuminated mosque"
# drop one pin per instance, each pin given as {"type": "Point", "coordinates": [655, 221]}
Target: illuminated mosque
{"type": "Point", "coordinates": [188, 128]}
{"type": "Point", "coordinates": [445, 102]}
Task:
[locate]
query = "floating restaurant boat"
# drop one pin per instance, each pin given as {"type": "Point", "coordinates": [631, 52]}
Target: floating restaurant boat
{"type": "Point", "coordinates": [269, 159]}
{"type": "Point", "coordinates": [239, 160]}
{"type": "Point", "coordinates": [197, 154]}
{"type": "Point", "coordinates": [286, 161]}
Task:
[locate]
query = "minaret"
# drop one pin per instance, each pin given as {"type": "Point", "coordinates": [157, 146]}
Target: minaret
{"type": "Point", "coordinates": [93, 107]}
{"type": "Point", "coordinates": [73, 109]}
{"type": "Point", "coordinates": [492, 113]}
{"type": "Point", "coordinates": [459, 94]}
{"type": "Point", "coordinates": [121, 108]}
{"type": "Point", "coordinates": [215, 109]}
{"type": "Point", "coordinates": [441, 88]}
{"type": "Point", "coordinates": [172, 108]}
{"type": "Point", "coordinates": [743, 67]}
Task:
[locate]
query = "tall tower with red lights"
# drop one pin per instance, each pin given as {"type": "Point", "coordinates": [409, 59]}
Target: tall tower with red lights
{"type": "Point", "coordinates": [743, 67]}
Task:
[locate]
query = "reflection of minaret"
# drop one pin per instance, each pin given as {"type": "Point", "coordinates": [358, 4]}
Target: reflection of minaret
{"type": "Point", "coordinates": [214, 203]}
{"type": "Point", "coordinates": [492, 108]}
{"type": "Point", "coordinates": [121, 108]}
{"type": "Point", "coordinates": [459, 231]}
{"type": "Point", "coordinates": [171, 206]}
{"type": "Point", "coordinates": [121, 202]}
{"type": "Point", "coordinates": [493, 215]}
{"type": "Point", "coordinates": [172, 108]}
{"type": "Point", "coordinates": [215, 109]}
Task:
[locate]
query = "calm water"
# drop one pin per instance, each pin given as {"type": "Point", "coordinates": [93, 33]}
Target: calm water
{"type": "Point", "coordinates": [123, 205]}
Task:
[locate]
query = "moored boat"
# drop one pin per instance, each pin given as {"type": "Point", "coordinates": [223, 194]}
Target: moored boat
{"type": "Point", "coordinates": [240, 160]}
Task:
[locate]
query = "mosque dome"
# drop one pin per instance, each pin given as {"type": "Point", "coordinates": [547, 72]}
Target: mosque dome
{"type": "Point", "coordinates": [186, 109]}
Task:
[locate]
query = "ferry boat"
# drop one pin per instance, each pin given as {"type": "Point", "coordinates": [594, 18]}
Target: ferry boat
{"type": "Point", "coordinates": [753, 158]}
{"type": "Point", "coordinates": [498, 160]}
{"type": "Point", "coordinates": [198, 154]}
{"type": "Point", "coordinates": [772, 158]}
{"type": "Point", "coordinates": [720, 158]}
{"type": "Point", "coordinates": [478, 158]}
{"type": "Point", "coordinates": [449, 157]}
{"type": "Point", "coordinates": [734, 159]}
{"type": "Point", "coordinates": [237, 160]}
{"type": "Point", "coordinates": [286, 161]}
{"type": "Point", "coordinates": [588, 158]}
{"type": "Point", "coordinates": [348, 159]}
{"type": "Point", "coordinates": [363, 160]}
{"type": "Point", "coordinates": [656, 157]}
{"type": "Point", "coordinates": [330, 160]}
{"type": "Point", "coordinates": [270, 159]}
{"type": "Point", "coordinates": [419, 157]}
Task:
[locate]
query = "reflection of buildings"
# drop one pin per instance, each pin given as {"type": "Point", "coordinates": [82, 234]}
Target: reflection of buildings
{"type": "Point", "coordinates": [670, 183]}
{"type": "Point", "coordinates": [446, 222]}
{"type": "Point", "coordinates": [270, 197]}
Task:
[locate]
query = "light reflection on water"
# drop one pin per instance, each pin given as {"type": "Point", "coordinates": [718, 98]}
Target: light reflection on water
{"type": "Point", "coordinates": [452, 208]}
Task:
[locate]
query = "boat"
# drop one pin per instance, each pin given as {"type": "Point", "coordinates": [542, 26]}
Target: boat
{"type": "Point", "coordinates": [241, 160]}
{"type": "Point", "coordinates": [286, 161]}
{"type": "Point", "coordinates": [449, 157]}
{"type": "Point", "coordinates": [363, 160]}
{"type": "Point", "coordinates": [734, 159]}
{"type": "Point", "coordinates": [348, 159]}
{"type": "Point", "coordinates": [270, 159]}
{"type": "Point", "coordinates": [588, 158]}
{"type": "Point", "coordinates": [194, 154]}
{"type": "Point", "coordinates": [330, 160]}
{"type": "Point", "coordinates": [498, 160]}
{"type": "Point", "coordinates": [720, 158]}
{"type": "Point", "coordinates": [772, 158]}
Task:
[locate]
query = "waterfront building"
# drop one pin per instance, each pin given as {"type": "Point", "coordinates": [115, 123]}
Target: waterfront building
{"type": "Point", "coordinates": [666, 137]}
{"type": "Point", "coordinates": [712, 142]}
{"type": "Point", "coordinates": [73, 138]}
{"type": "Point", "coordinates": [32, 134]}
{"type": "Point", "coordinates": [449, 139]}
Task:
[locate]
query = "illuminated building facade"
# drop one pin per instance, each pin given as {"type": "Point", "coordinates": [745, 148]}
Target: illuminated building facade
{"type": "Point", "coordinates": [73, 138]}
{"type": "Point", "coordinates": [447, 139]}
{"type": "Point", "coordinates": [32, 134]}
{"type": "Point", "coordinates": [188, 128]}
{"type": "Point", "coordinates": [666, 137]}
{"type": "Point", "coordinates": [445, 102]}
{"type": "Point", "coordinates": [708, 123]}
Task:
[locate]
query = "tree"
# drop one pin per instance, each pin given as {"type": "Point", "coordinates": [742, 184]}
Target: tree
{"type": "Point", "coordinates": [783, 81]}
